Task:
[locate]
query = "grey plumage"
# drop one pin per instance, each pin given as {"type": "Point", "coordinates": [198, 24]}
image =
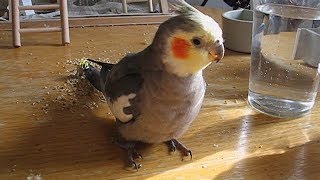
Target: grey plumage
{"type": "Point", "coordinates": [164, 106]}
{"type": "Point", "coordinates": [167, 106]}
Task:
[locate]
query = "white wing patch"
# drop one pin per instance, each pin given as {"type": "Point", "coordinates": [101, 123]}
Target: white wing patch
{"type": "Point", "coordinates": [117, 106]}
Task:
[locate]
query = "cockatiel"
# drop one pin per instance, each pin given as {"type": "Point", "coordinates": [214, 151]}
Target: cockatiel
{"type": "Point", "coordinates": [157, 93]}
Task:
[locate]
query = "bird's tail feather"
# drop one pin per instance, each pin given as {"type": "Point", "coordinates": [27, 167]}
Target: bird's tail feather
{"type": "Point", "coordinates": [95, 75]}
{"type": "Point", "coordinates": [103, 64]}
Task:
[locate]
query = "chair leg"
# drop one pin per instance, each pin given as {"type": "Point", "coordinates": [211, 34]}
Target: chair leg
{"type": "Point", "coordinates": [150, 5]}
{"type": "Point", "coordinates": [164, 6]}
{"type": "Point", "coordinates": [64, 22]}
{"type": "Point", "coordinates": [10, 11]}
{"type": "Point", "coordinates": [15, 23]}
{"type": "Point", "coordinates": [124, 6]}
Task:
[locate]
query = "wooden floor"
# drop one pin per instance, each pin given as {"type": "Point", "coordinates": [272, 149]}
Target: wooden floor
{"type": "Point", "coordinates": [53, 125]}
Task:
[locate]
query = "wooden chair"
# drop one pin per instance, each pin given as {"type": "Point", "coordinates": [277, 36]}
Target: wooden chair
{"type": "Point", "coordinates": [16, 30]}
{"type": "Point", "coordinates": [163, 5]}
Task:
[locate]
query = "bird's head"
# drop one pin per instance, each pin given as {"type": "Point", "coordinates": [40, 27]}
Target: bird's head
{"type": "Point", "coordinates": [189, 41]}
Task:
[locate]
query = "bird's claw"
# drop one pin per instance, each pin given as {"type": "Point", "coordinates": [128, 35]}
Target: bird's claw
{"type": "Point", "coordinates": [135, 165]}
{"type": "Point", "coordinates": [135, 154]}
{"type": "Point", "coordinates": [132, 153]}
{"type": "Point", "coordinates": [174, 149]}
{"type": "Point", "coordinates": [172, 146]}
{"type": "Point", "coordinates": [175, 144]}
{"type": "Point", "coordinates": [138, 156]}
{"type": "Point", "coordinates": [190, 153]}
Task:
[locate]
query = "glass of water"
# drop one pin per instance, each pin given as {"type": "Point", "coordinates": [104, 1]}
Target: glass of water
{"type": "Point", "coordinates": [285, 54]}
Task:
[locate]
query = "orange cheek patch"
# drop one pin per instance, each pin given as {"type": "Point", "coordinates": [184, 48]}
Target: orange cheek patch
{"type": "Point", "coordinates": [180, 48]}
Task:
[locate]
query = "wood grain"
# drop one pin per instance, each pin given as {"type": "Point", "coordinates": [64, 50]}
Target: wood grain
{"type": "Point", "coordinates": [56, 126]}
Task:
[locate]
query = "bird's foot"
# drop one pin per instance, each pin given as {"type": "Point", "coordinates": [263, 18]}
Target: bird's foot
{"type": "Point", "coordinates": [176, 145]}
{"type": "Point", "coordinates": [132, 153]}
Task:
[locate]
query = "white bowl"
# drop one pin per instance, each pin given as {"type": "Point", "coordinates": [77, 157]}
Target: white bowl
{"type": "Point", "coordinates": [237, 30]}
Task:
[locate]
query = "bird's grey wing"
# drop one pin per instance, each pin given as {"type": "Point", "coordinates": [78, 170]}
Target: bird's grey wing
{"type": "Point", "coordinates": [121, 89]}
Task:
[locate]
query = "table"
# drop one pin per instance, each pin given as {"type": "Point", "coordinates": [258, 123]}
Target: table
{"type": "Point", "coordinates": [55, 126]}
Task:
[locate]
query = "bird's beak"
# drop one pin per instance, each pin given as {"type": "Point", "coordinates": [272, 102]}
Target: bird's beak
{"type": "Point", "coordinates": [216, 51]}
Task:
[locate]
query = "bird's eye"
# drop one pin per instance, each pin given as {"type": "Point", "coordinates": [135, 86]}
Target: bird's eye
{"type": "Point", "coordinates": [196, 41]}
